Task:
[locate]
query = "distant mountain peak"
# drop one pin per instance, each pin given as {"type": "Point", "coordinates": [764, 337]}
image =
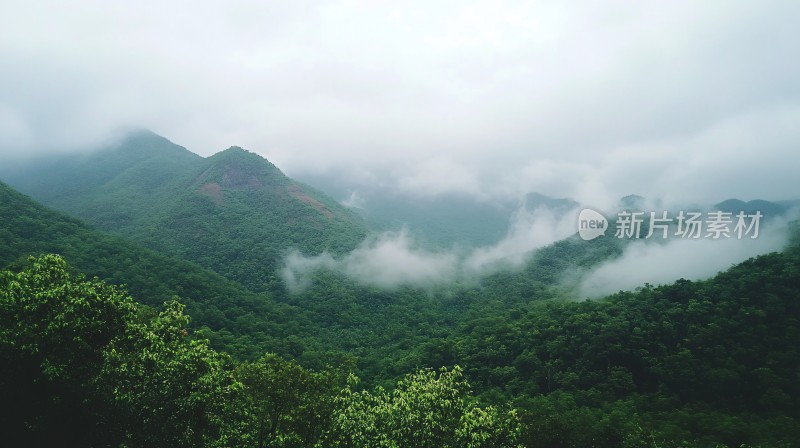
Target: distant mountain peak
{"type": "Point", "coordinates": [535, 200]}
{"type": "Point", "coordinates": [757, 205]}
{"type": "Point", "coordinates": [145, 136]}
{"type": "Point", "coordinates": [236, 150]}
{"type": "Point", "coordinates": [632, 202]}
{"type": "Point", "coordinates": [142, 133]}
{"type": "Point", "coordinates": [161, 194]}
{"type": "Point", "coordinates": [237, 154]}
{"type": "Point", "coordinates": [238, 169]}
{"type": "Point", "coordinates": [143, 144]}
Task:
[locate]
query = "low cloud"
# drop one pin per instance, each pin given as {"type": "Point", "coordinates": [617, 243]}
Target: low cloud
{"type": "Point", "coordinates": [438, 176]}
{"type": "Point", "coordinates": [393, 259]}
{"type": "Point", "coordinates": [484, 98]}
{"type": "Point", "coordinates": [387, 261]}
{"type": "Point", "coordinates": [692, 259]}
{"type": "Point", "coordinates": [529, 230]}
{"type": "Point", "coordinates": [354, 200]}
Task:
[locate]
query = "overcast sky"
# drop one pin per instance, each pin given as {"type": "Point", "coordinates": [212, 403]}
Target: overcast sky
{"type": "Point", "coordinates": [685, 100]}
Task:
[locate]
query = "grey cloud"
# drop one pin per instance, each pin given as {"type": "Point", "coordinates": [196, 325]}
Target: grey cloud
{"type": "Point", "coordinates": [589, 100]}
{"type": "Point", "coordinates": [528, 230]}
{"type": "Point", "coordinates": [392, 259]}
{"type": "Point", "coordinates": [388, 261]}
{"type": "Point", "coordinates": [693, 259]}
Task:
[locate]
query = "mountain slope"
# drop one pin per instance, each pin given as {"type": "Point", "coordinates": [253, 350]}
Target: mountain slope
{"type": "Point", "coordinates": [30, 229]}
{"type": "Point", "coordinates": [112, 188]}
{"type": "Point", "coordinates": [233, 212]}
{"type": "Point", "coordinates": [712, 360]}
{"type": "Point", "coordinates": [437, 221]}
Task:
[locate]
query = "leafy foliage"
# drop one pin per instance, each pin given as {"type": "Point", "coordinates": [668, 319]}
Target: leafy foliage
{"type": "Point", "coordinates": [426, 409]}
{"type": "Point", "coordinates": [91, 368]}
{"type": "Point", "coordinates": [283, 403]}
{"type": "Point", "coordinates": [86, 370]}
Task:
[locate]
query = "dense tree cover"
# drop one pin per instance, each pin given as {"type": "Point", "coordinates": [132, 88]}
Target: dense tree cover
{"type": "Point", "coordinates": [710, 363]}
{"type": "Point", "coordinates": [714, 360]}
{"type": "Point", "coordinates": [84, 365]}
{"type": "Point", "coordinates": [245, 322]}
{"type": "Point", "coordinates": [426, 409]}
{"type": "Point", "coordinates": [693, 363]}
{"type": "Point", "coordinates": [285, 404]}
{"type": "Point", "coordinates": [335, 320]}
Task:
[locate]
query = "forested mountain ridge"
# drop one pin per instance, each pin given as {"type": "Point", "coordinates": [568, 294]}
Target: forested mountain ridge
{"type": "Point", "coordinates": [85, 366]}
{"type": "Point", "coordinates": [225, 307]}
{"type": "Point", "coordinates": [342, 326]}
{"type": "Point", "coordinates": [233, 212]}
{"type": "Point", "coordinates": [692, 364]}
{"type": "Point", "coordinates": [687, 364]}
{"type": "Point", "coordinates": [335, 318]}
{"type": "Point", "coordinates": [714, 360]}
{"type": "Point", "coordinates": [766, 208]}
{"type": "Point", "coordinates": [111, 188]}
{"type": "Point", "coordinates": [438, 221]}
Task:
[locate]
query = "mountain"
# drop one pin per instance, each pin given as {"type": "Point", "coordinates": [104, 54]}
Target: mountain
{"type": "Point", "coordinates": [442, 221]}
{"type": "Point", "coordinates": [233, 212]}
{"type": "Point", "coordinates": [439, 221]}
{"type": "Point", "coordinates": [713, 361]}
{"type": "Point", "coordinates": [335, 320]}
{"type": "Point", "coordinates": [108, 187]}
{"type": "Point", "coordinates": [632, 202]}
{"type": "Point", "coordinates": [232, 313]}
{"type": "Point", "coordinates": [789, 203]}
{"type": "Point", "coordinates": [766, 208]}
{"type": "Point", "coordinates": [707, 363]}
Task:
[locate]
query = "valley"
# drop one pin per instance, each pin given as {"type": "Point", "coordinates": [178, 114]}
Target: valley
{"type": "Point", "coordinates": [699, 362]}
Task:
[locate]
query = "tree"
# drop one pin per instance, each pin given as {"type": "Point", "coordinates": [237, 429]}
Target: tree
{"type": "Point", "coordinates": [285, 405]}
{"type": "Point", "coordinates": [427, 409]}
{"type": "Point", "coordinates": [53, 331]}
{"type": "Point", "coordinates": [167, 388]}
{"type": "Point", "coordinates": [83, 365]}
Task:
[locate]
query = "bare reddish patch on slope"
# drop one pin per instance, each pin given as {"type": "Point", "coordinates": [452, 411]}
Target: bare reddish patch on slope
{"type": "Point", "coordinates": [239, 180]}
{"type": "Point", "coordinates": [300, 195]}
{"type": "Point", "coordinates": [213, 191]}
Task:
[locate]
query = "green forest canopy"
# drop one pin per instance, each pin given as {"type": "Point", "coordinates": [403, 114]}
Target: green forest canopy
{"type": "Point", "coordinates": [689, 363]}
